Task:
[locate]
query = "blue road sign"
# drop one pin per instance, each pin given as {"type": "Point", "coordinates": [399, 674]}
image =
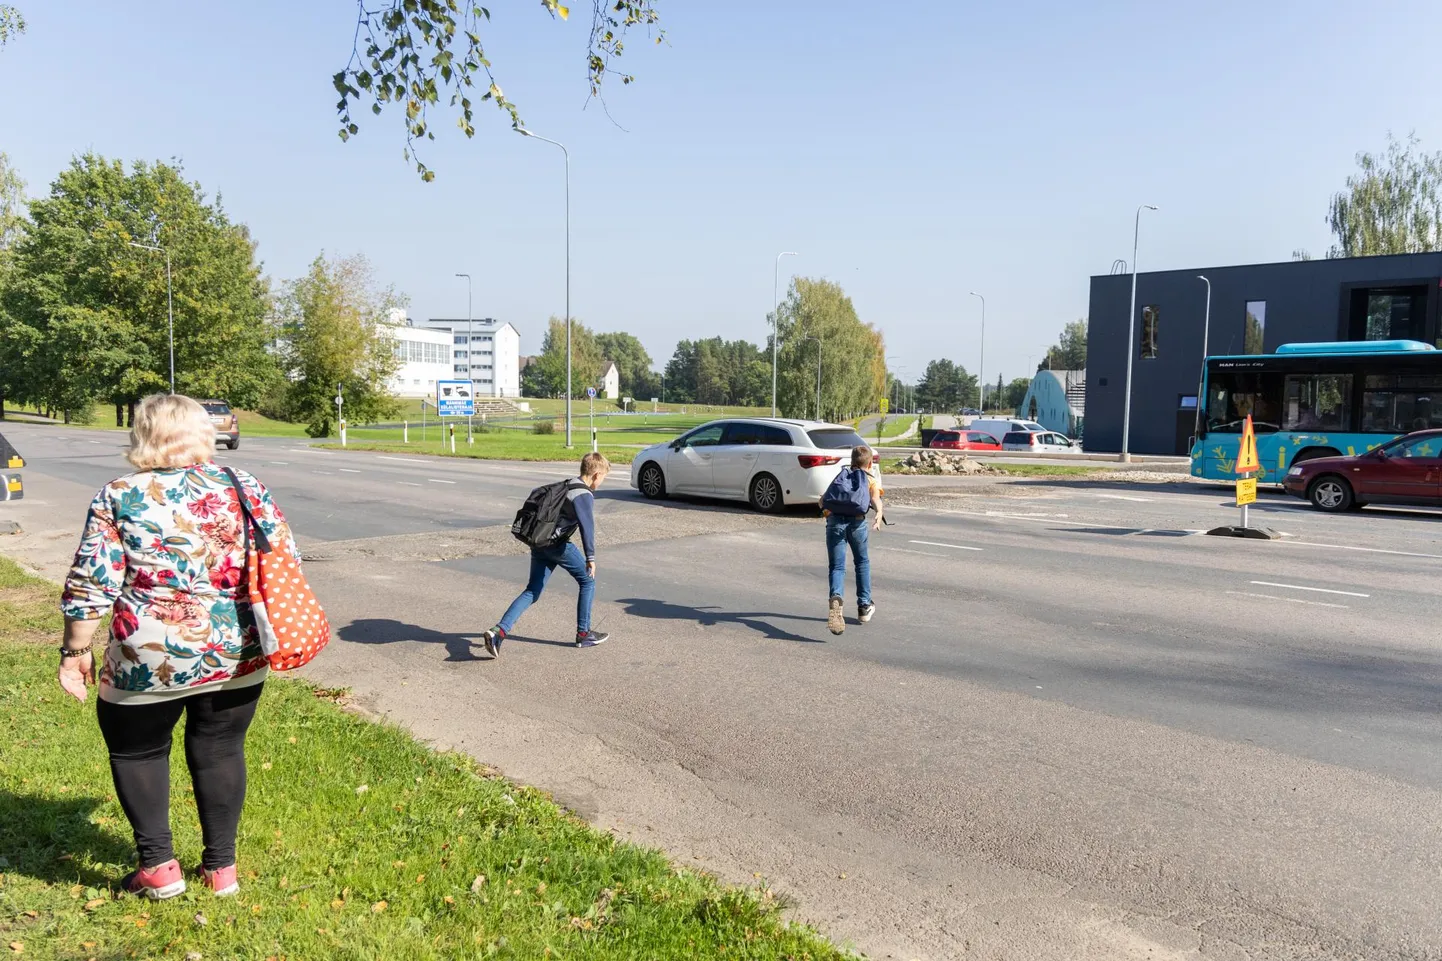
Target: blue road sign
{"type": "Point", "coordinates": [591, 392]}
{"type": "Point", "coordinates": [453, 398]}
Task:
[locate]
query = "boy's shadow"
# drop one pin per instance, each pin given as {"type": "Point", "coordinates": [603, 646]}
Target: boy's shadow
{"type": "Point", "coordinates": [36, 833]}
{"type": "Point", "coordinates": [710, 616]}
{"type": "Point", "coordinates": [385, 630]}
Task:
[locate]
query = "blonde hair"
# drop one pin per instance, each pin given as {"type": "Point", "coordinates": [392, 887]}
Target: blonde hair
{"type": "Point", "coordinates": [594, 463]}
{"type": "Point", "coordinates": [170, 430]}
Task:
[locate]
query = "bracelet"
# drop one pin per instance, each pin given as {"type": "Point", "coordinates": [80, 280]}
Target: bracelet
{"type": "Point", "coordinates": [67, 652]}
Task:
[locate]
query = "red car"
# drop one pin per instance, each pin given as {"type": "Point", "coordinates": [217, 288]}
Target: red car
{"type": "Point", "coordinates": [1407, 470]}
{"type": "Point", "coordinates": [964, 440]}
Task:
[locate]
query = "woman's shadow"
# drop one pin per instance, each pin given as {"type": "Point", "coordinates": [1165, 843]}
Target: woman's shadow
{"type": "Point", "coordinates": [54, 840]}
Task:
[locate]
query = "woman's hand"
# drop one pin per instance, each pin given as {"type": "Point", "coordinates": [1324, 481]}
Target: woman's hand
{"type": "Point", "coordinates": [76, 674]}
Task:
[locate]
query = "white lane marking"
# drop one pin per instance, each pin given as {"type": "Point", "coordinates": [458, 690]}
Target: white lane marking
{"type": "Point", "coordinates": [902, 550]}
{"type": "Point", "coordinates": [281, 463]}
{"type": "Point", "coordinates": [349, 470]}
{"type": "Point", "coordinates": [329, 473]}
{"type": "Point", "coordinates": [407, 484]}
{"type": "Point", "coordinates": [1316, 590]}
{"type": "Point", "coordinates": [1290, 600]}
{"type": "Point", "coordinates": [308, 450]}
{"type": "Point", "coordinates": [1370, 550]}
{"type": "Point", "coordinates": [1123, 497]}
{"type": "Point", "coordinates": [402, 460]}
{"type": "Point", "coordinates": [434, 481]}
{"type": "Point", "coordinates": [955, 547]}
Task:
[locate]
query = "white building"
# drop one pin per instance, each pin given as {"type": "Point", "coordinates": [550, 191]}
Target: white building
{"type": "Point", "coordinates": [486, 351]}
{"type": "Point", "coordinates": [425, 357]}
{"type": "Point", "coordinates": [611, 382]}
{"type": "Point", "coordinates": [1057, 401]}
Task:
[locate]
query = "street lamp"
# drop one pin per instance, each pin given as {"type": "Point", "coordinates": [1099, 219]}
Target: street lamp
{"type": "Point", "coordinates": [981, 364]}
{"type": "Point", "coordinates": [169, 305]}
{"type": "Point", "coordinates": [1206, 331]}
{"type": "Point", "coordinates": [470, 354]}
{"type": "Point", "coordinates": [556, 143]}
{"type": "Point", "coordinates": [776, 320]}
{"type": "Point", "coordinates": [818, 373]}
{"type": "Point", "coordinates": [1131, 335]}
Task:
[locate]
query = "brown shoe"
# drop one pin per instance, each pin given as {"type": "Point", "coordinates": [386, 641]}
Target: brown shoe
{"type": "Point", "coordinates": [835, 620]}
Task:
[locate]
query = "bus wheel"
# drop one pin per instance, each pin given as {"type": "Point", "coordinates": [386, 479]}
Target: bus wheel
{"type": "Point", "coordinates": [1331, 493]}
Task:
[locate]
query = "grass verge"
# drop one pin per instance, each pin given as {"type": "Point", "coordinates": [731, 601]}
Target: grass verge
{"type": "Point", "coordinates": [357, 843]}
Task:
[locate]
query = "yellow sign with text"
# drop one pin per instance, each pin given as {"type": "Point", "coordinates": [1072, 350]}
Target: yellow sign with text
{"type": "Point", "coordinates": [1246, 491]}
{"type": "Point", "coordinates": [885, 405]}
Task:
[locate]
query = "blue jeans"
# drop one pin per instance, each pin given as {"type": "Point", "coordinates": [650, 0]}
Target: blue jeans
{"type": "Point", "coordinates": [841, 531]}
{"type": "Point", "coordinates": [568, 557]}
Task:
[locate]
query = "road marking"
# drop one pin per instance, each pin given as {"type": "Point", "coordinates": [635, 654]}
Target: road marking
{"type": "Point", "coordinates": [349, 470]}
{"type": "Point", "coordinates": [434, 481]}
{"type": "Point", "coordinates": [1317, 590]}
{"type": "Point", "coordinates": [1290, 600]}
{"type": "Point", "coordinates": [282, 463]}
{"type": "Point", "coordinates": [407, 484]}
{"type": "Point", "coordinates": [955, 547]}
{"type": "Point", "coordinates": [307, 450]}
{"type": "Point", "coordinates": [902, 550]}
{"type": "Point", "coordinates": [329, 473]}
{"type": "Point", "coordinates": [1370, 550]}
{"type": "Point", "coordinates": [1123, 497]}
{"type": "Point", "coordinates": [402, 460]}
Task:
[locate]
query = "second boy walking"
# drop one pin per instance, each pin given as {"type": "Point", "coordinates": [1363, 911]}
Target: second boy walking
{"type": "Point", "coordinates": [547, 523]}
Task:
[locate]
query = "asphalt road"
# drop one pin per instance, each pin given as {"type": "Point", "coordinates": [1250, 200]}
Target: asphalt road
{"type": "Point", "coordinates": [1077, 728]}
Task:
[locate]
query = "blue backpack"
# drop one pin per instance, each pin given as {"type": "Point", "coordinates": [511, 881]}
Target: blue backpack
{"type": "Point", "coordinates": [849, 494]}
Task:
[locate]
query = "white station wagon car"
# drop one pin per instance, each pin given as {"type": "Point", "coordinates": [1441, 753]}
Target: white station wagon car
{"type": "Point", "coordinates": [769, 462]}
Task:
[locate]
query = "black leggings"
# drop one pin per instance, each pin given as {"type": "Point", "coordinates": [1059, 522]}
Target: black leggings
{"type": "Point", "coordinates": [138, 737]}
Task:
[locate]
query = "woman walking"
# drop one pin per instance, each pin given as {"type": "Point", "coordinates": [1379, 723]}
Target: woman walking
{"type": "Point", "coordinates": [164, 552]}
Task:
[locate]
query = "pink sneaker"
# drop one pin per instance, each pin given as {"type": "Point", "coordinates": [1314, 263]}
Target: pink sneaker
{"type": "Point", "coordinates": [222, 881]}
{"type": "Point", "coordinates": [157, 883]}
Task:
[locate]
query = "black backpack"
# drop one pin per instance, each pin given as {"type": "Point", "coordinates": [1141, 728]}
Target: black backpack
{"type": "Point", "coordinates": [539, 518]}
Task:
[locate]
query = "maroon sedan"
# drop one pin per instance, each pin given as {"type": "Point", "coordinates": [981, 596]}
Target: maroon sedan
{"type": "Point", "coordinates": [1407, 470]}
{"type": "Point", "coordinates": [964, 440]}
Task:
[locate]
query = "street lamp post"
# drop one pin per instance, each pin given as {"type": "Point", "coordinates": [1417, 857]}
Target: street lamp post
{"type": "Point", "coordinates": [1131, 335]}
{"type": "Point", "coordinates": [470, 356]}
{"type": "Point", "coordinates": [556, 143]}
{"type": "Point", "coordinates": [981, 364]}
{"type": "Point", "coordinates": [776, 320]}
{"type": "Point", "coordinates": [169, 305]}
{"type": "Point", "coordinates": [1206, 332]}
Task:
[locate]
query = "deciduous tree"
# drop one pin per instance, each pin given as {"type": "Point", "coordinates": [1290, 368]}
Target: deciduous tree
{"type": "Point", "coordinates": [853, 354]}
{"type": "Point", "coordinates": [1392, 205]}
{"type": "Point", "coordinates": [1070, 350]}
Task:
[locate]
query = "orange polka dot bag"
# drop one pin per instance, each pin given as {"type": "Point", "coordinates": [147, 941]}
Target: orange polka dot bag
{"type": "Point", "coordinates": [293, 627]}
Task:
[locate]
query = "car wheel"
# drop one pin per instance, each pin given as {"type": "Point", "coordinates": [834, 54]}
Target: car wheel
{"type": "Point", "coordinates": [1330, 493]}
{"type": "Point", "coordinates": [232, 445]}
{"type": "Point", "coordinates": [766, 494]}
{"type": "Point", "coordinates": [652, 482]}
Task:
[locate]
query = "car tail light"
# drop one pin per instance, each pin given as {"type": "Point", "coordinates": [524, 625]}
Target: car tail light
{"type": "Point", "coordinates": [809, 461]}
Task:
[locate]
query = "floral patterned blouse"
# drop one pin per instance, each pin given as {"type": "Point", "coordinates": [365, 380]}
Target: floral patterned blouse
{"type": "Point", "coordinates": [163, 549]}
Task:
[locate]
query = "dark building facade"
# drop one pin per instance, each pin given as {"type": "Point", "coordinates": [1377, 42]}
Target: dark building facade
{"type": "Point", "coordinates": [1255, 309]}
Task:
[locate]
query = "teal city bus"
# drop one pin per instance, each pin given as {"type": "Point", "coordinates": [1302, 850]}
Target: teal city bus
{"type": "Point", "coordinates": [1314, 400]}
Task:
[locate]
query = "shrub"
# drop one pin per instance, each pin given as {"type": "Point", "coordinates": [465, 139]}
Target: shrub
{"type": "Point", "coordinates": [543, 427]}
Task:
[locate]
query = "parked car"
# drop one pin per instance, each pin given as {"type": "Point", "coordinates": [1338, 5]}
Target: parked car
{"type": "Point", "coordinates": [1001, 426]}
{"type": "Point", "coordinates": [227, 425]}
{"type": "Point", "coordinates": [1039, 442]}
{"type": "Point", "coordinates": [1407, 470]}
{"type": "Point", "coordinates": [964, 440]}
{"type": "Point", "coordinates": [769, 462]}
{"type": "Point", "coordinates": [968, 412]}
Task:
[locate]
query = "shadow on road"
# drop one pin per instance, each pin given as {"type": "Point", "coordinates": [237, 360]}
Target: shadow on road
{"type": "Point", "coordinates": [711, 616]}
{"type": "Point", "coordinates": [383, 630]}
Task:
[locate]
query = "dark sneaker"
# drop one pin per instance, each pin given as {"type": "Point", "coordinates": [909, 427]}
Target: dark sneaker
{"type": "Point", "coordinates": [864, 612]}
{"type": "Point", "coordinates": [492, 640]}
{"type": "Point", "coordinates": [591, 639]}
{"type": "Point", "coordinates": [835, 620]}
{"type": "Point", "coordinates": [158, 883]}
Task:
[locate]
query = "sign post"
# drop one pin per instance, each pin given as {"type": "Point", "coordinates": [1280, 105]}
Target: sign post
{"type": "Point", "coordinates": [453, 437]}
{"type": "Point", "coordinates": [1248, 465]}
{"type": "Point", "coordinates": [339, 414]}
{"type": "Point", "coordinates": [591, 400]}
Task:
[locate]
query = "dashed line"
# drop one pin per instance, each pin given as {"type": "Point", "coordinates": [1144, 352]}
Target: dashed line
{"type": "Point", "coordinates": [407, 484]}
{"type": "Point", "coordinates": [402, 460]}
{"type": "Point", "coordinates": [1289, 600]}
{"type": "Point", "coordinates": [1123, 497]}
{"type": "Point", "coordinates": [434, 481]}
{"type": "Point", "coordinates": [349, 470]}
{"type": "Point", "coordinates": [1316, 590]}
{"type": "Point", "coordinates": [281, 463]}
{"type": "Point", "coordinates": [902, 550]}
{"type": "Point", "coordinates": [329, 473]}
{"type": "Point", "coordinates": [1370, 550]}
{"type": "Point", "coordinates": [955, 547]}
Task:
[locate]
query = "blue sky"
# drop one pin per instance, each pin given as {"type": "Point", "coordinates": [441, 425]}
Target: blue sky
{"type": "Point", "coordinates": [911, 152]}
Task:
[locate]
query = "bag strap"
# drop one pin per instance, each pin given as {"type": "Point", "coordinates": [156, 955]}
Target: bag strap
{"type": "Point", "coordinates": [248, 524]}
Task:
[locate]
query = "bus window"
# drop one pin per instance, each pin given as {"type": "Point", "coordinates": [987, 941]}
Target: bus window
{"type": "Point", "coordinates": [1233, 395]}
{"type": "Point", "coordinates": [1399, 403]}
{"type": "Point", "coordinates": [1318, 402]}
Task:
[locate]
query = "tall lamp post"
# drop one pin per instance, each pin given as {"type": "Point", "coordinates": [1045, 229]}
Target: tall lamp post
{"type": "Point", "coordinates": [776, 319]}
{"type": "Point", "coordinates": [169, 305]}
{"type": "Point", "coordinates": [1206, 332]}
{"type": "Point", "coordinates": [470, 355]}
{"type": "Point", "coordinates": [981, 364]}
{"type": "Point", "coordinates": [556, 143]}
{"type": "Point", "coordinates": [1126, 455]}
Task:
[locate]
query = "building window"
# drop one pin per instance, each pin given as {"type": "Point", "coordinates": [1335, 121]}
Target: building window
{"type": "Point", "coordinates": [1150, 316]}
{"type": "Point", "coordinates": [461, 354]}
{"type": "Point", "coordinates": [1254, 335]}
{"type": "Point", "coordinates": [1401, 402]}
{"type": "Point", "coordinates": [460, 339]}
{"type": "Point", "coordinates": [1317, 402]}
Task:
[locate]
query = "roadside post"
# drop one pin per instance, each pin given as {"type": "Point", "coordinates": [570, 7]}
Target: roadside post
{"type": "Point", "coordinates": [881, 421]}
{"type": "Point", "coordinates": [339, 410]}
{"type": "Point", "coordinates": [406, 428]}
{"type": "Point", "coordinates": [453, 437]}
{"type": "Point", "coordinates": [591, 400]}
{"type": "Point", "coordinates": [1246, 469]}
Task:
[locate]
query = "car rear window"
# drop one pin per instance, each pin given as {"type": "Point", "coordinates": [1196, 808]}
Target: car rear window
{"type": "Point", "coordinates": [835, 438]}
{"type": "Point", "coordinates": [980, 438]}
{"type": "Point", "coordinates": [1019, 437]}
{"type": "Point", "coordinates": [216, 408]}
{"type": "Point", "coordinates": [948, 435]}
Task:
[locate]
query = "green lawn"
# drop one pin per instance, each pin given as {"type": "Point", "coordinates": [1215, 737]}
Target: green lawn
{"type": "Point", "coordinates": [357, 843]}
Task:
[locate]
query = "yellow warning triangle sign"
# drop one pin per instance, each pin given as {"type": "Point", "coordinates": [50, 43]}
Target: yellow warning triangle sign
{"type": "Point", "coordinates": [1247, 461]}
